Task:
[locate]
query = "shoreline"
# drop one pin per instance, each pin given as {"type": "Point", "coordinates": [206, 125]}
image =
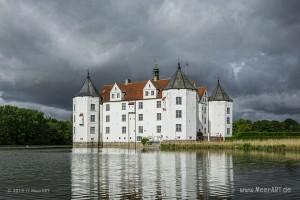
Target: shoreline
{"type": "Point", "coordinates": [267, 145]}
{"type": "Point", "coordinates": [8, 147]}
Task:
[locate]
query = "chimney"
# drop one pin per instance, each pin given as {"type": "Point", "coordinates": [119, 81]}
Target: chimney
{"type": "Point", "coordinates": [127, 81]}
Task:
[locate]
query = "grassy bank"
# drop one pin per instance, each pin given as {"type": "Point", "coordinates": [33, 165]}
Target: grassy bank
{"type": "Point", "coordinates": [270, 145]}
{"type": "Point", "coordinates": [265, 135]}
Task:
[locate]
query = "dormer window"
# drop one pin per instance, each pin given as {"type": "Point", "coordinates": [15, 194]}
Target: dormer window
{"type": "Point", "coordinates": [149, 90]}
{"type": "Point", "coordinates": [115, 93]}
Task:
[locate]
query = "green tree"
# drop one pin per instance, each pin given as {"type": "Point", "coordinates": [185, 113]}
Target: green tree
{"type": "Point", "coordinates": [242, 125]}
{"type": "Point", "coordinates": [19, 126]}
{"type": "Point", "coordinates": [291, 125]}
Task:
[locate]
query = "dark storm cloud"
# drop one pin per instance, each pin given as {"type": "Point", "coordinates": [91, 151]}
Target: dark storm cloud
{"type": "Point", "coordinates": [46, 48]}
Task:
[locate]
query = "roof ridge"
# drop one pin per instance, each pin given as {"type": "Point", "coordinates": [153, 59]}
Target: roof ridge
{"type": "Point", "coordinates": [88, 88]}
{"type": "Point", "coordinates": [219, 94]}
{"type": "Point", "coordinates": [179, 80]}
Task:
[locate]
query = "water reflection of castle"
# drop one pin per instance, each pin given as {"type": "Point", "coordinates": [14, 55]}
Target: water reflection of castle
{"type": "Point", "coordinates": [122, 173]}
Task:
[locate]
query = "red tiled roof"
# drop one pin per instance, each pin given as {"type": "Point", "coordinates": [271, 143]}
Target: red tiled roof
{"type": "Point", "coordinates": [132, 91]}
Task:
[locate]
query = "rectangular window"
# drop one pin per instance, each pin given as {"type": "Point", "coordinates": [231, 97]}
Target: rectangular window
{"type": "Point", "coordinates": [158, 104]}
{"type": "Point", "coordinates": [204, 109]}
{"type": "Point", "coordinates": [107, 130]}
{"type": "Point", "coordinates": [158, 116]}
{"type": "Point", "coordinates": [74, 118]}
{"type": "Point", "coordinates": [113, 96]}
{"type": "Point", "coordinates": [204, 130]}
{"type": "Point", "coordinates": [92, 130]}
{"type": "Point", "coordinates": [139, 138]}
{"type": "Point", "coordinates": [118, 95]}
{"type": "Point", "coordinates": [140, 105]}
{"type": "Point", "coordinates": [93, 119]}
{"type": "Point", "coordinates": [178, 127]}
{"type": "Point", "coordinates": [141, 117]}
{"type": "Point", "coordinates": [93, 107]}
{"type": "Point", "coordinates": [152, 92]}
{"type": "Point", "coordinates": [123, 129]}
{"type": "Point", "coordinates": [74, 108]}
{"type": "Point", "coordinates": [146, 93]}
{"type": "Point", "coordinates": [158, 129]}
{"type": "Point", "coordinates": [123, 118]}
{"type": "Point", "coordinates": [141, 129]}
{"type": "Point", "coordinates": [107, 118]}
{"type": "Point", "coordinates": [228, 131]}
{"type": "Point", "coordinates": [123, 106]}
{"type": "Point", "coordinates": [228, 120]}
{"type": "Point", "coordinates": [107, 107]}
{"type": "Point", "coordinates": [204, 120]}
{"type": "Point", "coordinates": [178, 100]}
{"type": "Point", "coordinates": [228, 110]}
{"type": "Point", "coordinates": [178, 114]}
{"type": "Point", "coordinates": [81, 119]}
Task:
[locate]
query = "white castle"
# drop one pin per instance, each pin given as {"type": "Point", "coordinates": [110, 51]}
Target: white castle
{"type": "Point", "coordinates": [158, 109]}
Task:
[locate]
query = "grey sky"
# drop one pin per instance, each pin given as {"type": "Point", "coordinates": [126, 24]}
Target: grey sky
{"type": "Point", "coordinates": [253, 46]}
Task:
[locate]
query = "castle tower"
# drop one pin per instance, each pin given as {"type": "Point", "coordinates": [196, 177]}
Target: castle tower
{"type": "Point", "coordinates": [86, 115]}
{"type": "Point", "coordinates": [155, 73]}
{"type": "Point", "coordinates": [220, 113]}
{"type": "Point", "coordinates": [180, 115]}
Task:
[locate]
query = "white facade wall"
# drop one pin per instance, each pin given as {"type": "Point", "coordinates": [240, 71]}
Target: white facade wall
{"type": "Point", "coordinates": [148, 123]}
{"type": "Point", "coordinates": [192, 118]}
{"type": "Point", "coordinates": [218, 125]}
{"type": "Point", "coordinates": [189, 118]}
{"type": "Point", "coordinates": [82, 119]}
{"type": "Point", "coordinates": [203, 115]}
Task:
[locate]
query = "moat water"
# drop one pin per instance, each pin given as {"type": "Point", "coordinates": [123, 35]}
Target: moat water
{"type": "Point", "coordinates": [128, 174]}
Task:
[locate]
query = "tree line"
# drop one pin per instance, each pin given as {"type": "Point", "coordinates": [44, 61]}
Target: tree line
{"type": "Point", "coordinates": [243, 126]}
{"type": "Point", "coordinates": [20, 126]}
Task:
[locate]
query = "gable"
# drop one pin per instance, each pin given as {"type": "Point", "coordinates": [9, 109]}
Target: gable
{"type": "Point", "coordinates": [150, 90]}
{"type": "Point", "coordinates": [133, 91]}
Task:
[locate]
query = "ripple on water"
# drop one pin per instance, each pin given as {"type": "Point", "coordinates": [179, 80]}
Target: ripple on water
{"type": "Point", "coordinates": [126, 174]}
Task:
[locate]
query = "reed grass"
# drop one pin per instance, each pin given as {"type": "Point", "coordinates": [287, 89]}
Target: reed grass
{"type": "Point", "coordinates": [270, 145]}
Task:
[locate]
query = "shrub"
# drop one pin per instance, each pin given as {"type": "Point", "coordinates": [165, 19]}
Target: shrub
{"type": "Point", "coordinates": [144, 141]}
{"type": "Point", "coordinates": [266, 135]}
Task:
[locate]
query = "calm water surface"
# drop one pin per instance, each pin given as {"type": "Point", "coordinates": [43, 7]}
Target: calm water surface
{"type": "Point", "coordinates": [126, 174]}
